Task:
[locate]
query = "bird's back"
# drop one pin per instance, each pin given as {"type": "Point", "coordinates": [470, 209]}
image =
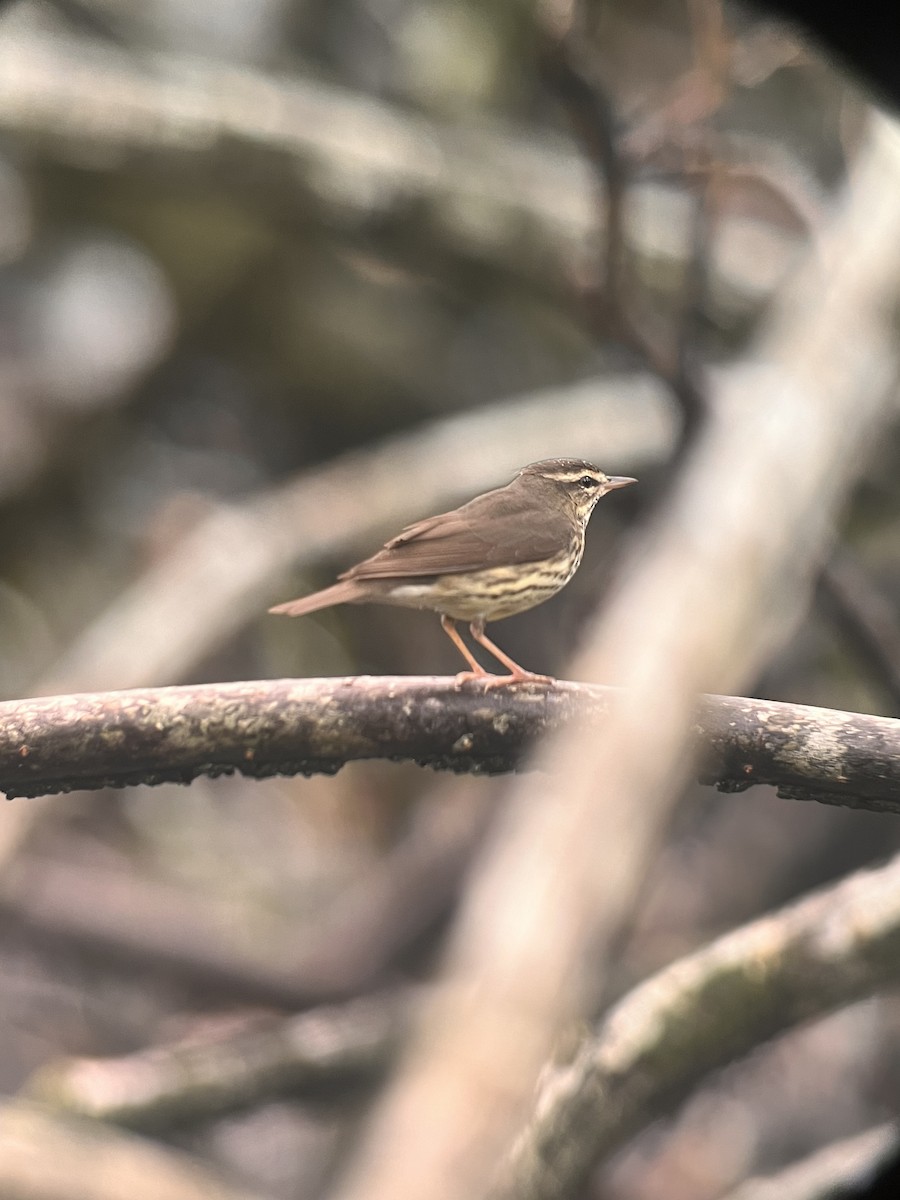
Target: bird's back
{"type": "Point", "coordinates": [513, 524]}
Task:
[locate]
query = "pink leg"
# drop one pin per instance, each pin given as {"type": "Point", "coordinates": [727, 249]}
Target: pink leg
{"type": "Point", "coordinates": [518, 674]}
{"type": "Point", "coordinates": [478, 672]}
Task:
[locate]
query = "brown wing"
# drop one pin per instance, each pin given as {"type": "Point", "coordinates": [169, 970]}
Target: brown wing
{"type": "Point", "coordinates": [497, 529]}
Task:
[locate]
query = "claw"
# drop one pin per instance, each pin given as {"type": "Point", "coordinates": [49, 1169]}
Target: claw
{"type": "Point", "coordinates": [494, 681]}
{"type": "Point", "coordinates": [489, 682]}
{"type": "Point", "coordinates": [465, 677]}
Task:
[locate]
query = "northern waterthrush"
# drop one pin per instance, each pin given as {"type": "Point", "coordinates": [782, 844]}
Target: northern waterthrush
{"type": "Point", "coordinates": [500, 554]}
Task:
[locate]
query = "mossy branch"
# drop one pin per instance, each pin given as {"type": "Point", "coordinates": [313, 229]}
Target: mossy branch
{"type": "Point", "coordinates": [307, 726]}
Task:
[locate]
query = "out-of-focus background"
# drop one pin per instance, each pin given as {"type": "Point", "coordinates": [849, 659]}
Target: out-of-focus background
{"type": "Point", "coordinates": [275, 277]}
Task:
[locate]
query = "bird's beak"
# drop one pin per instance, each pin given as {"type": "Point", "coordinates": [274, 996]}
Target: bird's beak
{"type": "Point", "coordinates": [618, 481]}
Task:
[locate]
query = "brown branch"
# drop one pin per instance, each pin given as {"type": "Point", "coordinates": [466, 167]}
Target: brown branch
{"type": "Point", "coordinates": [615, 307]}
{"type": "Point", "coordinates": [194, 1078]}
{"type": "Point", "coordinates": [289, 727]}
{"type": "Point", "coordinates": [697, 1015]}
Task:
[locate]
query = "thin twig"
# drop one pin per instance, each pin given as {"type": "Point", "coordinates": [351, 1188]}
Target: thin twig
{"type": "Point", "coordinates": [613, 305]}
{"type": "Point", "coordinates": [865, 617]}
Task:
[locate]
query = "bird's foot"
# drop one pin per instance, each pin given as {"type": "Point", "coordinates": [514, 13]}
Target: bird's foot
{"type": "Point", "coordinates": [482, 677]}
{"type": "Point", "coordinates": [519, 677]}
{"type": "Point", "coordinates": [489, 682]}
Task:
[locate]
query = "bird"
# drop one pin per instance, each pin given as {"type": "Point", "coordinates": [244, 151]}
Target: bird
{"type": "Point", "coordinates": [500, 554]}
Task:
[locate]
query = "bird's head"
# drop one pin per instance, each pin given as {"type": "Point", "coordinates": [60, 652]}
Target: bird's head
{"type": "Point", "coordinates": [581, 484]}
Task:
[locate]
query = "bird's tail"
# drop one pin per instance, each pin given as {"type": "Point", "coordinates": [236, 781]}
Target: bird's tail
{"type": "Point", "coordinates": [344, 592]}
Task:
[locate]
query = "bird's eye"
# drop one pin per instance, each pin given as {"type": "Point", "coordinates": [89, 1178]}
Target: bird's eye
{"type": "Point", "coordinates": [587, 481]}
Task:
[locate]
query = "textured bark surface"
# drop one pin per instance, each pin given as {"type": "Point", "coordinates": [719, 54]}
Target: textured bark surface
{"type": "Point", "coordinates": [289, 727]}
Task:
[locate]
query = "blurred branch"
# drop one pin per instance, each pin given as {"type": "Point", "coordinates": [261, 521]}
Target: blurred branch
{"type": "Point", "coordinates": [753, 173]}
{"type": "Point", "coordinates": [45, 1156]}
{"type": "Point", "coordinates": [650, 1051]}
{"type": "Point", "coordinates": [495, 191]}
{"type": "Point", "coordinates": [613, 302]}
{"type": "Point", "coordinates": [712, 588]}
{"type": "Point", "coordinates": [136, 924]}
{"type": "Point", "coordinates": [265, 1056]}
{"type": "Point", "coordinates": [702, 1012]}
{"type": "Point", "coordinates": [836, 1172]}
{"type": "Point", "coordinates": [658, 1042]}
{"type": "Point", "coordinates": [226, 569]}
{"type": "Point", "coordinates": [290, 727]}
{"type": "Point", "coordinates": [486, 189]}
{"type": "Point", "coordinates": [86, 19]}
{"type": "Point", "coordinates": [708, 81]}
{"type": "Point", "coordinates": [865, 617]}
